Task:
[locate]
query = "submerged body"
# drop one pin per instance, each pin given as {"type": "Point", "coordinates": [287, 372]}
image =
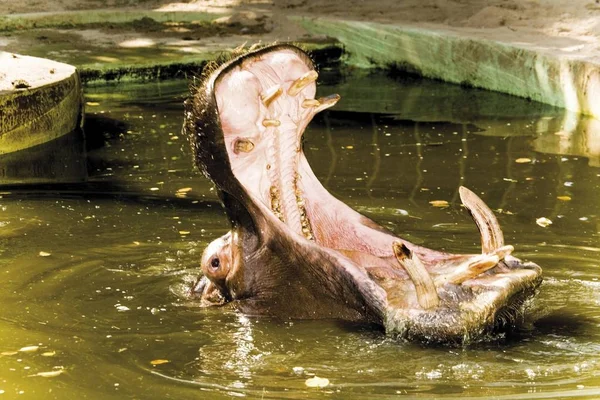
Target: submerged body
{"type": "Point", "coordinates": [295, 251]}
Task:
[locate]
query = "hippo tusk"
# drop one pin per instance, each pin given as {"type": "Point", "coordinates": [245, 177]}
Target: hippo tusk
{"type": "Point", "coordinates": [468, 269]}
{"type": "Point", "coordinates": [424, 285]}
{"type": "Point", "coordinates": [491, 234]}
{"type": "Point", "coordinates": [503, 251]}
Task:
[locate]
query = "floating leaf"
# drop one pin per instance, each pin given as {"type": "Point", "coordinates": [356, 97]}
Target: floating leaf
{"type": "Point", "coordinates": [50, 374]}
{"type": "Point", "coordinates": [92, 103]}
{"type": "Point", "coordinates": [298, 370]}
{"type": "Point", "coordinates": [184, 232]}
{"type": "Point", "coordinates": [564, 198]}
{"type": "Point", "coordinates": [543, 222]}
{"type": "Point", "coordinates": [184, 190]}
{"type": "Point", "coordinates": [349, 147]}
{"type": "Point", "coordinates": [44, 254]}
{"type": "Point", "coordinates": [29, 349]}
{"type": "Point", "coordinates": [159, 362]}
{"type": "Point", "coordinates": [439, 203]}
{"type": "Point", "coordinates": [317, 382]}
{"type": "Point", "coordinates": [48, 353]}
{"type": "Point", "coordinates": [523, 160]}
{"type": "Point", "coordinates": [9, 353]}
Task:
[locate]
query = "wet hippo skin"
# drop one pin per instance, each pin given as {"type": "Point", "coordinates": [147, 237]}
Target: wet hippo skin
{"type": "Point", "coordinates": [295, 251]}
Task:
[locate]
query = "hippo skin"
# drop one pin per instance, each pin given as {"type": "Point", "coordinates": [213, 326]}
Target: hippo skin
{"type": "Point", "coordinates": [296, 252]}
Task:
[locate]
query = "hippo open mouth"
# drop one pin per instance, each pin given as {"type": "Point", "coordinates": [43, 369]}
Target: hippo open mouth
{"type": "Point", "coordinates": [295, 251]}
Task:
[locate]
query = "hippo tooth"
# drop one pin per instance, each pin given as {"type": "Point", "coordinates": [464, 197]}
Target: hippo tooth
{"type": "Point", "coordinates": [308, 103]}
{"type": "Point", "coordinates": [269, 95]}
{"type": "Point", "coordinates": [468, 269]}
{"type": "Point", "coordinates": [328, 101]}
{"type": "Point", "coordinates": [491, 234]}
{"type": "Point", "coordinates": [424, 286]}
{"type": "Point", "coordinates": [271, 122]}
{"type": "Point", "coordinates": [243, 146]}
{"type": "Point", "coordinates": [503, 251]}
{"type": "Point", "coordinates": [302, 82]}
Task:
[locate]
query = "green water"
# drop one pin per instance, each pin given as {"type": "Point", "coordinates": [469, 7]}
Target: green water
{"type": "Point", "coordinates": [98, 243]}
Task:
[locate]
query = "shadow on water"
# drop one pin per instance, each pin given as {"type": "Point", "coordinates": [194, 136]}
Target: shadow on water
{"type": "Point", "coordinates": [564, 323]}
{"type": "Point", "coordinates": [101, 129]}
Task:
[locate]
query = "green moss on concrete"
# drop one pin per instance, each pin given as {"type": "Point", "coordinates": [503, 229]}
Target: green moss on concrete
{"type": "Point", "coordinates": [48, 106]}
{"type": "Point", "coordinates": [142, 73]}
{"type": "Point", "coordinates": [156, 64]}
{"type": "Point", "coordinates": [72, 19]}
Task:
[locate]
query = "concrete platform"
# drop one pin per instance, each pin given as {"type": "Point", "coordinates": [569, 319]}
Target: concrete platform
{"type": "Point", "coordinates": [40, 100]}
{"type": "Point", "coordinates": [519, 66]}
{"type": "Point", "coordinates": [122, 45]}
{"type": "Point", "coordinates": [142, 45]}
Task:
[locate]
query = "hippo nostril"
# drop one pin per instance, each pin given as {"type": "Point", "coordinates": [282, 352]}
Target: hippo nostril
{"type": "Point", "coordinates": [198, 287]}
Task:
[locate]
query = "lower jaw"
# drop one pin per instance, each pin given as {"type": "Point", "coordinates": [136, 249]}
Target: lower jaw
{"type": "Point", "coordinates": [481, 319]}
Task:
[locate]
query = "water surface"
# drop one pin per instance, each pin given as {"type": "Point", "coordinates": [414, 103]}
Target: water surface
{"type": "Point", "coordinates": [100, 236]}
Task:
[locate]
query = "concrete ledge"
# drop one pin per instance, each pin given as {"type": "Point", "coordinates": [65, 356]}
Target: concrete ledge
{"type": "Point", "coordinates": [520, 70]}
{"type": "Point", "coordinates": [163, 63]}
{"type": "Point", "coordinates": [40, 101]}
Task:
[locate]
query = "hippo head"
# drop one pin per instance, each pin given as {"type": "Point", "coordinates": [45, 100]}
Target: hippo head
{"type": "Point", "coordinates": [295, 251]}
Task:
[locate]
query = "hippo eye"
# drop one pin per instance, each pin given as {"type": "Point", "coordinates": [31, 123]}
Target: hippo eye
{"type": "Point", "coordinates": [215, 263]}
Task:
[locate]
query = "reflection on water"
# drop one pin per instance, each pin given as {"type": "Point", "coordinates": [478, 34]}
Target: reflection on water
{"type": "Point", "coordinates": [572, 135]}
{"type": "Point", "coordinates": [97, 247]}
{"type": "Point", "coordinates": [60, 160]}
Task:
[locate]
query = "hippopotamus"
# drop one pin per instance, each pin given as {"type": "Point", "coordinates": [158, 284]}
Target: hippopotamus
{"type": "Point", "coordinates": [294, 251]}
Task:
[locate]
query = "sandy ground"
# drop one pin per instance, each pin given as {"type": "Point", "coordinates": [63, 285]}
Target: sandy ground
{"type": "Point", "coordinates": [575, 19]}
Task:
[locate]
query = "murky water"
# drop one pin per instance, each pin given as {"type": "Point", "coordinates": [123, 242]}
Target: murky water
{"type": "Point", "coordinates": [99, 238]}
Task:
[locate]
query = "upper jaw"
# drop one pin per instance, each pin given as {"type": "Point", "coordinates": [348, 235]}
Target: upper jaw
{"type": "Point", "coordinates": [265, 103]}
